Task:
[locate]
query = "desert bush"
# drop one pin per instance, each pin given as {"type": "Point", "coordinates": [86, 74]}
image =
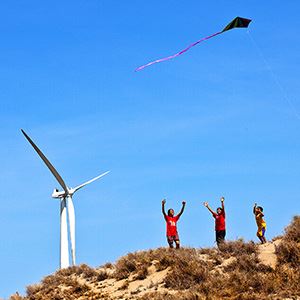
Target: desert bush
{"type": "Point", "coordinates": [83, 269]}
{"type": "Point", "coordinates": [288, 252]}
{"type": "Point", "coordinates": [237, 248]}
{"type": "Point", "coordinates": [88, 272]}
{"type": "Point", "coordinates": [165, 260]}
{"type": "Point", "coordinates": [107, 266]}
{"type": "Point", "coordinates": [247, 263]}
{"type": "Point", "coordinates": [67, 271]}
{"type": "Point", "coordinates": [125, 266]}
{"type": "Point", "coordinates": [292, 232]}
{"type": "Point", "coordinates": [185, 274]}
{"type": "Point", "coordinates": [16, 296]}
{"type": "Point", "coordinates": [102, 275]}
{"type": "Point", "coordinates": [33, 289]}
{"type": "Point", "coordinates": [142, 272]}
{"type": "Point", "coordinates": [208, 251]}
{"type": "Point", "coordinates": [171, 257]}
{"type": "Point", "coordinates": [79, 289]}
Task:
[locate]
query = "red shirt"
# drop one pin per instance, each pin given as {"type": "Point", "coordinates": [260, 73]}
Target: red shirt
{"type": "Point", "coordinates": [171, 225]}
{"type": "Point", "coordinates": [220, 220]}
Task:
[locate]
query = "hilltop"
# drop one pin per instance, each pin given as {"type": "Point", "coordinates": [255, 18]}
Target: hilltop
{"type": "Point", "coordinates": [239, 270]}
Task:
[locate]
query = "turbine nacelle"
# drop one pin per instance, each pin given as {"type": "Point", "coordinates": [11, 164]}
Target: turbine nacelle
{"type": "Point", "coordinates": [57, 194]}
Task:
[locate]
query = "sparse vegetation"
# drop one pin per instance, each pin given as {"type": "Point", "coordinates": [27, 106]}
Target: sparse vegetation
{"type": "Point", "coordinates": [288, 252]}
{"type": "Point", "coordinates": [237, 248]}
{"type": "Point", "coordinates": [231, 272]}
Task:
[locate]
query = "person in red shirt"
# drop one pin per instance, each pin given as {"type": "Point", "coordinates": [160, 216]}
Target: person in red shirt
{"type": "Point", "coordinates": [220, 226]}
{"type": "Point", "coordinates": [172, 234]}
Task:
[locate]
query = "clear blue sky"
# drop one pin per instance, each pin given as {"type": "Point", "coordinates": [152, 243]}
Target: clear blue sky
{"type": "Point", "coordinates": [211, 122]}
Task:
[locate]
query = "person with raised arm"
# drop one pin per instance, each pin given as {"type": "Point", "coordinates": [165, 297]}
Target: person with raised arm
{"type": "Point", "coordinates": [220, 226]}
{"type": "Point", "coordinates": [171, 220]}
{"type": "Point", "coordinates": [261, 224]}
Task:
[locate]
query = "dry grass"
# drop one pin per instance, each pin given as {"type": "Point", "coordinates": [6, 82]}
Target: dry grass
{"type": "Point", "coordinates": [292, 232]}
{"type": "Point", "coordinates": [237, 248]}
{"type": "Point", "coordinates": [288, 252]}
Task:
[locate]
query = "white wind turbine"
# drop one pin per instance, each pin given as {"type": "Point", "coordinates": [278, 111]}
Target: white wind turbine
{"type": "Point", "coordinates": [66, 209]}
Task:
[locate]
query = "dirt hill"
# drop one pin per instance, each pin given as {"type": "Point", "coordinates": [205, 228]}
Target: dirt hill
{"type": "Point", "coordinates": [238, 270]}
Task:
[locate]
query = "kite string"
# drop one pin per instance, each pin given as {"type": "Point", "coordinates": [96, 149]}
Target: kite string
{"type": "Point", "coordinates": [274, 77]}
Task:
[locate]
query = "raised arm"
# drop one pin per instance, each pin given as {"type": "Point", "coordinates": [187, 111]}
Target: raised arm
{"type": "Point", "coordinates": [182, 209]}
{"type": "Point", "coordinates": [207, 206]}
{"type": "Point", "coordinates": [222, 203]}
{"type": "Point", "coordinates": [163, 202]}
{"type": "Point", "coordinates": [254, 208]}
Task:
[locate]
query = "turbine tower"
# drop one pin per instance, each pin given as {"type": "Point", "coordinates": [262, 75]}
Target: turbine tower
{"type": "Point", "coordinates": [67, 212]}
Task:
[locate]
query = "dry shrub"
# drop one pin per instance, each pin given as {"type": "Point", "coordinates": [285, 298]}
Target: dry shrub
{"type": "Point", "coordinates": [237, 248]}
{"type": "Point", "coordinates": [172, 257]}
{"type": "Point", "coordinates": [53, 280]}
{"type": "Point", "coordinates": [187, 269]}
{"type": "Point", "coordinates": [186, 274]}
{"type": "Point", "coordinates": [292, 232]}
{"type": "Point", "coordinates": [134, 262]}
{"type": "Point", "coordinates": [33, 289]}
{"type": "Point", "coordinates": [247, 263]}
{"type": "Point", "coordinates": [241, 282]}
{"type": "Point", "coordinates": [288, 252]}
{"type": "Point", "coordinates": [208, 251]}
{"type": "Point", "coordinates": [87, 272]}
{"type": "Point", "coordinates": [142, 272]}
{"type": "Point", "coordinates": [102, 275]}
{"type": "Point", "coordinates": [56, 287]}
{"type": "Point", "coordinates": [107, 266]}
{"type": "Point", "coordinates": [16, 296]}
{"type": "Point", "coordinates": [125, 266]}
{"type": "Point", "coordinates": [83, 269]}
{"type": "Point", "coordinates": [78, 289]}
{"type": "Point", "coordinates": [287, 280]}
{"type": "Point", "coordinates": [138, 263]}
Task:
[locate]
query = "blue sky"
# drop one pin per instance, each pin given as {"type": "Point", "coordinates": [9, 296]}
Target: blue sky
{"type": "Point", "coordinates": [211, 122]}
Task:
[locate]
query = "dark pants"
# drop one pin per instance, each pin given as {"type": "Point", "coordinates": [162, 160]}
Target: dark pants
{"type": "Point", "coordinates": [220, 236]}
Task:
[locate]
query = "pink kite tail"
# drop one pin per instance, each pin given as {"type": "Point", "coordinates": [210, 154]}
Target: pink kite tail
{"type": "Point", "coordinates": [177, 54]}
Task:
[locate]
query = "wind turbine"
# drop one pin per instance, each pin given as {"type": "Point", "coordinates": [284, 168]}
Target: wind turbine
{"type": "Point", "coordinates": [67, 212]}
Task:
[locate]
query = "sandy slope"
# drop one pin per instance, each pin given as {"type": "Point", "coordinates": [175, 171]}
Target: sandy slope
{"type": "Point", "coordinates": [266, 253]}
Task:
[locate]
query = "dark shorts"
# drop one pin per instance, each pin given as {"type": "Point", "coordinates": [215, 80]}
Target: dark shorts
{"type": "Point", "coordinates": [220, 236]}
{"type": "Point", "coordinates": [172, 238]}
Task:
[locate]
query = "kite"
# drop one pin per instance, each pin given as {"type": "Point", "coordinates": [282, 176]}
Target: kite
{"type": "Point", "coordinates": [236, 23]}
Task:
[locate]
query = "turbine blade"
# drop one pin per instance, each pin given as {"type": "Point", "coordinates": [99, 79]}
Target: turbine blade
{"type": "Point", "coordinates": [90, 181]}
{"type": "Point", "coordinates": [71, 215]}
{"type": "Point", "coordinates": [64, 248]}
{"type": "Point", "coordinates": [47, 162]}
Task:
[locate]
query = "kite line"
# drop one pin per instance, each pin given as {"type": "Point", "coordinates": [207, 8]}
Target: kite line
{"type": "Point", "coordinates": [273, 76]}
{"type": "Point", "coordinates": [238, 22]}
